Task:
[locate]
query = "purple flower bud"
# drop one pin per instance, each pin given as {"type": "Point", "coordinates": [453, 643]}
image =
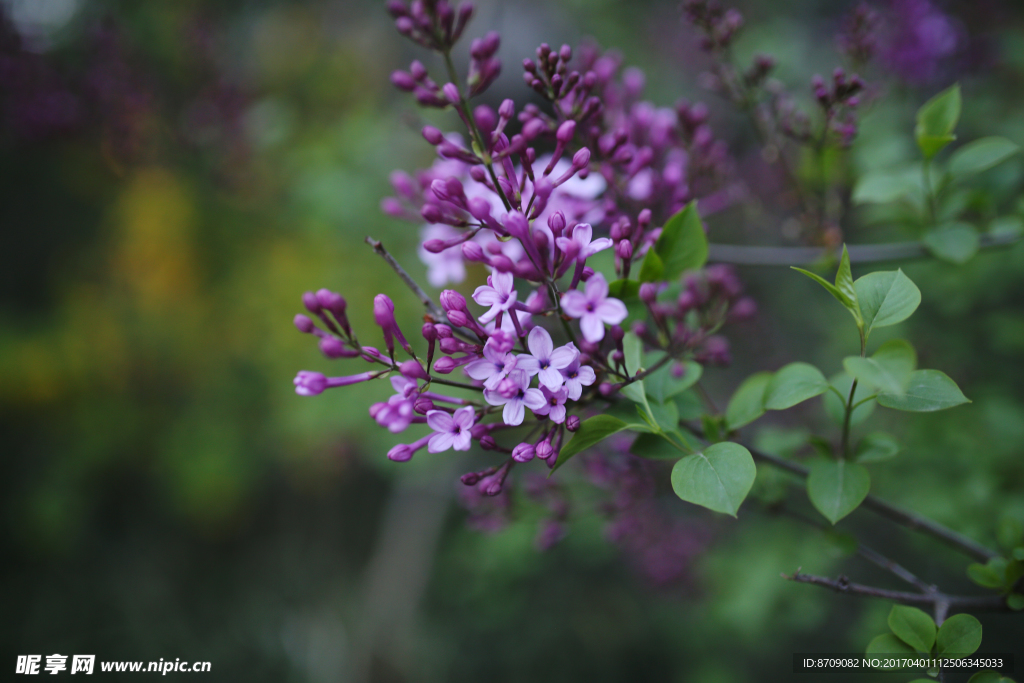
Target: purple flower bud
{"type": "Point", "coordinates": [605, 388]}
{"type": "Point", "coordinates": [413, 370]}
{"type": "Point", "coordinates": [565, 53]}
{"type": "Point", "coordinates": [400, 453]}
{"type": "Point", "coordinates": [587, 273]}
{"type": "Point", "coordinates": [309, 383]}
{"type": "Point", "coordinates": [624, 250]}
{"type": "Point", "coordinates": [472, 251]}
{"type": "Point", "coordinates": [503, 341]}
{"type": "Point", "coordinates": [581, 158]}
{"type": "Point", "coordinates": [485, 119]}
{"type": "Point", "coordinates": [744, 309]}
{"type": "Point", "coordinates": [443, 331]}
{"type": "Point", "coordinates": [423, 405]}
{"type": "Point", "coordinates": [433, 135]}
{"type": "Point", "coordinates": [452, 300]}
{"type": "Point", "coordinates": [304, 323]}
{"type": "Point", "coordinates": [311, 303]}
{"type": "Point", "coordinates": [566, 131]}
{"type": "Point", "coordinates": [648, 292]}
{"type": "Point", "coordinates": [332, 347]}
{"type": "Point", "coordinates": [507, 109]}
{"type": "Point", "coordinates": [432, 213]}
{"type": "Point", "coordinates": [572, 423]}
{"type": "Point", "coordinates": [404, 25]}
{"type": "Point", "coordinates": [332, 301]}
{"type": "Point", "coordinates": [556, 222]}
{"type": "Point", "coordinates": [383, 310]}
{"type": "Point", "coordinates": [507, 388]}
{"type": "Point", "coordinates": [451, 92]}
{"type": "Point", "coordinates": [487, 442]}
{"type": "Point", "coordinates": [396, 8]}
{"type": "Point", "coordinates": [403, 80]}
{"type": "Point", "coordinates": [418, 71]}
{"type": "Point", "coordinates": [458, 319]}
{"type": "Point", "coordinates": [444, 365]}
{"type": "Point", "coordinates": [470, 478]}
{"type": "Point", "coordinates": [523, 452]}
{"type": "Point", "coordinates": [544, 449]}
{"type": "Point", "coordinates": [533, 128]}
{"type": "Point", "coordinates": [429, 332]}
{"type": "Point", "coordinates": [451, 344]}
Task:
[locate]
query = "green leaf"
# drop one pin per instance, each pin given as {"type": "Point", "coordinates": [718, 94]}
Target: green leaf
{"type": "Point", "coordinates": [747, 404]}
{"type": "Point", "coordinates": [654, 447]}
{"type": "Point", "coordinates": [832, 289]}
{"type": "Point", "coordinates": [665, 415]}
{"type": "Point", "coordinates": [959, 636]}
{"type": "Point", "coordinates": [837, 487]}
{"type": "Point", "coordinates": [663, 384]}
{"type": "Point", "coordinates": [989, 676]}
{"type": "Point", "coordinates": [1010, 532]}
{"type": "Point", "coordinates": [682, 245]}
{"type": "Point", "coordinates": [953, 242]}
{"type": "Point", "coordinates": [876, 447]}
{"type": "Point", "coordinates": [937, 120]}
{"type": "Point", "coordinates": [884, 186]}
{"type": "Point", "coordinates": [844, 283]}
{"type": "Point", "coordinates": [652, 268]}
{"type": "Point", "coordinates": [591, 431]}
{"type": "Point", "coordinates": [987, 575]}
{"type": "Point", "coordinates": [886, 298]}
{"type": "Point", "coordinates": [888, 368]}
{"type": "Point", "coordinates": [928, 390]}
{"type": "Point", "coordinates": [913, 627]}
{"type": "Point", "coordinates": [624, 289]}
{"type": "Point", "coordinates": [1015, 601]}
{"type": "Point", "coordinates": [888, 645]}
{"type": "Point", "coordinates": [792, 384]}
{"type": "Point", "coordinates": [689, 405]}
{"type": "Point", "coordinates": [632, 349]}
{"type": "Point", "coordinates": [981, 155]}
{"type": "Point", "coordinates": [719, 478]}
{"type": "Point", "coordinates": [836, 407]}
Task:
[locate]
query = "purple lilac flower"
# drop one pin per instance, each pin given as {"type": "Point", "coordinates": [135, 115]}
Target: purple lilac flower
{"type": "Point", "coordinates": [922, 36]}
{"type": "Point", "coordinates": [576, 377]}
{"type": "Point", "coordinates": [545, 360]}
{"type": "Point", "coordinates": [582, 235]}
{"type": "Point", "coordinates": [398, 412]}
{"type": "Point", "coordinates": [313, 383]}
{"type": "Point", "coordinates": [446, 266]}
{"type": "Point", "coordinates": [554, 405]}
{"type": "Point", "coordinates": [493, 367]}
{"type": "Point", "coordinates": [594, 308]}
{"type": "Point", "coordinates": [497, 293]}
{"type": "Point", "coordinates": [522, 397]}
{"type": "Point", "coordinates": [452, 431]}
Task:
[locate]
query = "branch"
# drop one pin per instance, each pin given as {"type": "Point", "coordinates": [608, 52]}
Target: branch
{"type": "Point", "coordinates": [965, 603]}
{"type": "Point", "coordinates": [966, 545]}
{"type": "Point", "coordinates": [748, 255]}
{"type": "Point", "coordinates": [407, 279]}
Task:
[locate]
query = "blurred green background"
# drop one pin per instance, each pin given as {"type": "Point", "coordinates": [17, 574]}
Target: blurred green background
{"type": "Point", "coordinates": [176, 173]}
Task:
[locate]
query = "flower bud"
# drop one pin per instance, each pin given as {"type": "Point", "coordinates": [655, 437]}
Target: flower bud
{"type": "Point", "coordinates": [304, 323]}
{"type": "Point", "coordinates": [470, 478]}
{"type": "Point", "coordinates": [311, 303]}
{"type": "Point", "coordinates": [413, 370]}
{"type": "Point", "coordinates": [451, 345]}
{"type": "Point", "coordinates": [487, 442]}
{"type": "Point", "coordinates": [444, 365]}
{"type": "Point", "coordinates": [458, 319]}
{"type": "Point", "coordinates": [400, 453]}
{"type": "Point", "coordinates": [648, 292]}
{"type": "Point", "coordinates": [624, 250]}
{"type": "Point", "coordinates": [443, 331]}
{"type": "Point", "coordinates": [309, 383]}
{"type": "Point", "coordinates": [507, 388]}
{"type": "Point", "coordinates": [581, 158]}
{"type": "Point", "coordinates": [572, 423]}
{"type": "Point", "coordinates": [452, 300]}
{"type": "Point", "coordinates": [544, 450]}
{"type": "Point", "coordinates": [507, 109]}
{"type": "Point", "coordinates": [523, 452]}
{"type": "Point", "coordinates": [433, 135]}
{"type": "Point", "coordinates": [566, 131]}
{"type": "Point", "coordinates": [605, 388]}
{"type": "Point", "coordinates": [533, 128]}
{"type": "Point", "coordinates": [472, 251]}
{"type": "Point", "coordinates": [451, 92]}
{"type": "Point", "coordinates": [423, 405]}
{"type": "Point", "coordinates": [403, 80]}
{"type": "Point", "coordinates": [332, 347]}
{"type": "Point", "coordinates": [556, 222]}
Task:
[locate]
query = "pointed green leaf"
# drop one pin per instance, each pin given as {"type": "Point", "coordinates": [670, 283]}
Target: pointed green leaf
{"type": "Point", "coordinates": [888, 369]}
{"type": "Point", "coordinates": [876, 447]}
{"type": "Point", "coordinates": [1015, 601]}
{"type": "Point", "coordinates": [844, 283]}
{"type": "Point", "coordinates": [886, 298]}
{"type": "Point", "coordinates": [792, 384]}
{"type": "Point", "coordinates": [959, 636]}
{"type": "Point", "coordinates": [928, 390]}
{"type": "Point", "coordinates": [591, 431]}
{"type": "Point", "coordinates": [913, 627]}
{"type": "Point", "coordinates": [657, 447]}
{"type": "Point", "coordinates": [837, 487]}
{"type": "Point", "coordinates": [937, 120]}
{"type": "Point", "coordinates": [632, 349]}
{"type": "Point", "coordinates": [626, 290]}
{"type": "Point", "coordinates": [652, 268]}
{"type": "Point", "coordinates": [981, 155]}
{"type": "Point", "coordinates": [682, 245]}
{"type": "Point", "coordinates": [887, 645]}
{"type": "Point", "coordinates": [884, 186]}
{"type": "Point", "coordinates": [747, 404]}
{"type": "Point", "coordinates": [719, 478]}
{"type": "Point", "coordinates": [831, 288]}
{"type": "Point", "coordinates": [986, 575]}
{"type": "Point", "coordinates": [665, 415]}
{"type": "Point", "coordinates": [953, 242]}
{"type": "Point", "coordinates": [1010, 532]}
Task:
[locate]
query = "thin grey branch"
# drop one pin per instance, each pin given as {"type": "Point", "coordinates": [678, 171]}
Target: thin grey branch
{"type": "Point", "coordinates": [963, 603]}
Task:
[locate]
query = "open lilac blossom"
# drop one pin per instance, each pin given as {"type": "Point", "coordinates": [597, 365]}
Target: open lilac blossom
{"type": "Point", "coordinates": [493, 367]}
{"type": "Point", "coordinates": [576, 377]}
{"type": "Point", "coordinates": [545, 360]}
{"type": "Point", "coordinates": [522, 397]}
{"type": "Point", "coordinates": [497, 293]}
{"type": "Point", "coordinates": [583, 235]}
{"type": "Point", "coordinates": [397, 413]}
{"type": "Point", "coordinates": [452, 431]}
{"type": "Point", "coordinates": [554, 405]}
{"type": "Point", "coordinates": [594, 308]}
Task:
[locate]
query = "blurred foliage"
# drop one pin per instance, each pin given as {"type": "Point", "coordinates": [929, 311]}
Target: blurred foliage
{"type": "Point", "coordinates": [176, 174]}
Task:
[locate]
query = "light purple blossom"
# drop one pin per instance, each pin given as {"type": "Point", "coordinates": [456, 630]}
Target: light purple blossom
{"type": "Point", "coordinates": [524, 397]}
{"type": "Point", "coordinates": [545, 360]}
{"type": "Point", "coordinates": [398, 412]}
{"type": "Point", "coordinates": [576, 377]}
{"type": "Point", "coordinates": [594, 308]}
{"type": "Point", "coordinates": [313, 383]}
{"type": "Point", "coordinates": [582, 235]}
{"type": "Point", "coordinates": [497, 293]}
{"type": "Point", "coordinates": [493, 367]}
{"type": "Point", "coordinates": [554, 405]}
{"type": "Point", "coordinates": [446, 266]}
{"type": "Point", "coordinates": [452, 431]}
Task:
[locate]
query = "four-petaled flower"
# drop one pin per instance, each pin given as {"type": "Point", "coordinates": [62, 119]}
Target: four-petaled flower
{"type": "Point", "coordinates": [523, 397]}
{"type": "Point", "coordinates": [397, 413]}
{"type": "Point", "coordinates": [546, 360]}
{"type": "Point", "coordinates": [576, 377]}
{"type": "Point", "coordinates": [594, 308]}
{"type": "Point", "coordinates": [452, 430]}
{"type": "Point", "coordinates": [497, 293]}
{"type": "Point", "coordinates": [554, 405]}
{"type": "Point", "coordinates": [493, 367]}
{"type": "Point", "coordinates": [581, 235]}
